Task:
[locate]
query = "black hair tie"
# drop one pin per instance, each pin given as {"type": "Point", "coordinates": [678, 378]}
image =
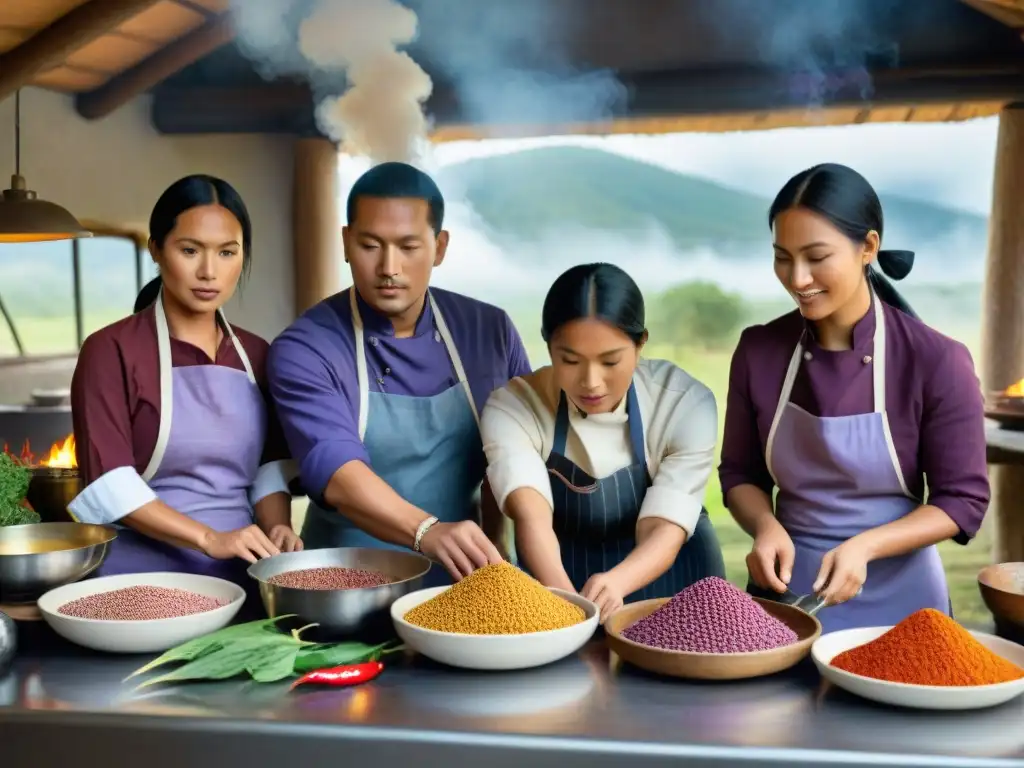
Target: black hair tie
{"type": "Point", "coordinates": [896, 264]}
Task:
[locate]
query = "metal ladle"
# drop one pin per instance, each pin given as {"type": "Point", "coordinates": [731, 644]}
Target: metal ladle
{"type": "Point", "coordinates": [809, 604]}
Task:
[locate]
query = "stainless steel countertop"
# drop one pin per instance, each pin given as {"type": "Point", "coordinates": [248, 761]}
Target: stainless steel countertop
{"type": "Point", "coordinates": [59, 702]}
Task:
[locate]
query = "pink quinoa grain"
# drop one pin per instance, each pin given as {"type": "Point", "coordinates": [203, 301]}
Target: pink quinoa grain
{"type": "Point", "coordinates": [711, 616]}
{"type": "Point", "coordinates": [140, 603]}
{"type": "Point", "coordinates": [330, 578]}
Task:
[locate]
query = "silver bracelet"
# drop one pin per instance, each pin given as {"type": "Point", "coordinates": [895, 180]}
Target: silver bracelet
{"type": "Point", "coordinates": [425, 526]}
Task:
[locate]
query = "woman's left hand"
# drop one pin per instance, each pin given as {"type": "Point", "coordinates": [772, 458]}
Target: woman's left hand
{"type": "Point", "coordinates": [604, 590]}
{"type": "Point", "coordinates": [843, 572]}
{"type": "Point", "coordinates": [285, 539]}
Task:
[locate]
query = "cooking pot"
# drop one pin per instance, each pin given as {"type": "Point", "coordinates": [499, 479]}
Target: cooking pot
{"type": "Point", "coordinates": [50, 490]}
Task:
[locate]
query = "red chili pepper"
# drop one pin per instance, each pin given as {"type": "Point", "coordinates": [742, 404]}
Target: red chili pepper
{"type": "Point", "coordinates": [347, 674]}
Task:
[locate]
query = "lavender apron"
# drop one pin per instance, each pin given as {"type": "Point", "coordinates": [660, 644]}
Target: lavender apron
{"type": "Point", "coordinates": [840, 476]}
{"type": "Point", "coordinates": [428, 449]}
{"type": "Point", "coordinates": [213, 423]}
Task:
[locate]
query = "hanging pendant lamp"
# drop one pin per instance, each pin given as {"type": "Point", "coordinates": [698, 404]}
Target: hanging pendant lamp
{"type": "Point", "coordinates": [24, 218]}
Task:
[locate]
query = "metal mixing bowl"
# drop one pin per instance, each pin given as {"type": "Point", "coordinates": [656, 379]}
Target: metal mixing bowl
{"type": "Point", "coordinates": [362, 612]}
{"type": "Point", "coordinates": [37, 558]}
{"type": "Point", "coordinates": [1002, 589]}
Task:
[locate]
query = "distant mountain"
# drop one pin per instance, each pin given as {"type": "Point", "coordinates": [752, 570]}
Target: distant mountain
{"type": "Point", "coordinates": [914, 224]}
{"type": "Point", "coordinates": [537, 193]}
{"type": "Point", "coordinates": [540, 194]}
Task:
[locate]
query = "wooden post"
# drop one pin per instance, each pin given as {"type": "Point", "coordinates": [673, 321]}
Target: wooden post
{"type": "Point", "coordinates": [316, 223]}
{"type": "Point", "coordinates": [1003, 320]}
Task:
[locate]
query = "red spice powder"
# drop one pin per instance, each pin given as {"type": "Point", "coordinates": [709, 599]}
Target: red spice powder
{"type": "Point", "coordinates": [928, 648]}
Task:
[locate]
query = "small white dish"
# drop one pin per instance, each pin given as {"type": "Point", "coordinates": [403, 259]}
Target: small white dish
{"type": "Point", "coordinates": [151, 635]}
{"type": "Point", "coordinates": [493, 652]}
{"type": "Point", "coordinates": [828, 646]}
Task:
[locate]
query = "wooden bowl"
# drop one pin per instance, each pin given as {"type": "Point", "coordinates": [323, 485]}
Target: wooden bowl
{"type": "Point", "coordinates": [1008, 420]}
{"type": "Point", "coordinates": [1002, 589]}
{"type": "Point", "coordinates": [712, 666]}
{"type": "Point", "coordinates": [1006, 410]}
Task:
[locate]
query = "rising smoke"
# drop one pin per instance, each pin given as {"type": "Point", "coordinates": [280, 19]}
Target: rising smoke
{"type": "Point", "coordinates": [380, 114]}
{"type": "Point", "coordinates": [510, 62]}
{"type": "Point", "coordinates": [821, 49]}
{"type": "Point", "coordinates": [501, 64]}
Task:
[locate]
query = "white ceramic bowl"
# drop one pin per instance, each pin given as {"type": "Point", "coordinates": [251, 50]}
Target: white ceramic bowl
{"type": "Point", "coordinates": [152, 635]}
{"type": "Point", "coordinates": [828, 646]}
{"type": "Point", "coordinates": [493, 652]}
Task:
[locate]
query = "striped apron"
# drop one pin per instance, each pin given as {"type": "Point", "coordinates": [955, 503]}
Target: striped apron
{"type": "Point", "coordinates": [595, 520]}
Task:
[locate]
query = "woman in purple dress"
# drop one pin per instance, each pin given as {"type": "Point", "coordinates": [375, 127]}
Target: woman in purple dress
{"type": "Point", "coordinates": [176, 439]}
{"type": "Point", "coordinates": [852, 408]}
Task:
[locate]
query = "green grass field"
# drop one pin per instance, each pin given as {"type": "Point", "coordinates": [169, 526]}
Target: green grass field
{"type": "Point", "coordinates": [55, 335]}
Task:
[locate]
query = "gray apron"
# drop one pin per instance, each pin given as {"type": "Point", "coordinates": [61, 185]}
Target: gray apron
{"type": "Point", "coordinates": [428, 449]}
{"type": "Point", "coordinates": [595, 520]}
{"type": "Point", "coordinates": [838, 477]}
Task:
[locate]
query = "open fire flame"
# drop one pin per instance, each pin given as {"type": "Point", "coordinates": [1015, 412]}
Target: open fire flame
{"type": "Point", "coordinates": [61, 455]}
{"type": "Point", "coordinates": [1015, 390]}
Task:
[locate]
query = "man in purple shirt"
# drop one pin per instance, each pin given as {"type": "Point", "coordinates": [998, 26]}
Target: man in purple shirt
{"type": "Point", "coordinates": [379, 387]}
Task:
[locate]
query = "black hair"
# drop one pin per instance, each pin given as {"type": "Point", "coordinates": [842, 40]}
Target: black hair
{"type": "Point", "coordinates": [183, 195]}
{"type": "Point", "coordinates": [398, 180]}
{"type": "Point", "coordinates": [601, 291]}
{"type": "Point", "coordinates": [848, 201]}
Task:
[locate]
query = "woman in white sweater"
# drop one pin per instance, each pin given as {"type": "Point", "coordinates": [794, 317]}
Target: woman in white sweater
{"type": "Point", "coordinates": [601, 459]}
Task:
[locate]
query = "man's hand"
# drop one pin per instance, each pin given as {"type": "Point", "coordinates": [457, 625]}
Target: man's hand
{"type": "Point", "coordinates": [460, 547]}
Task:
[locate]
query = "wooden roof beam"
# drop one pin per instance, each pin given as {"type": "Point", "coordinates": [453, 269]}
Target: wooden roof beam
{"type": "Point", "coordinates": [49, 47]}
{"type": "Point", "coordinates": [172, 58]}
{"type": "Point", "coordinates": [1008, 12]}
{"type": "Point", "coordinates": [284, 107]}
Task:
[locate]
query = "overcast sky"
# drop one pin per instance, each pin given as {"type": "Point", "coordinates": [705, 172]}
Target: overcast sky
{"type": "Point", "coordinates": [950, 163]}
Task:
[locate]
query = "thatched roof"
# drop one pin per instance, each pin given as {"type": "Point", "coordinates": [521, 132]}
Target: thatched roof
{"type": "Point", "coordinates": [680, 64]}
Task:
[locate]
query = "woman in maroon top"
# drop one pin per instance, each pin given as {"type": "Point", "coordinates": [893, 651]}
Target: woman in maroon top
{"type": "Point", "coordinates": [845, 406]}
{"type": "Point", "coordinates": [177, 442]}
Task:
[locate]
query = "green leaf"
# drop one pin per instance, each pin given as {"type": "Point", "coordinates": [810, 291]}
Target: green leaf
{"type": "Point", "coordinates": [277, 664]}
{"type": "Point", "coordinates": [195, 649]}
{"type": "Point", "coordinates": [14, 480]}
{"type": "Point", "coordinates": [16, 514]}
{"type": "Point", "coordinates": [336, 655]}
{"type": "Point", "coordinates": [231, 659]}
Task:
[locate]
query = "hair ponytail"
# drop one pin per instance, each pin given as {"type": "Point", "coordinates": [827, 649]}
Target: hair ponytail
{"type": "Point", "coordinates": [894, 265]}
{"type": "Point", "coordinates": [148, 295]}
